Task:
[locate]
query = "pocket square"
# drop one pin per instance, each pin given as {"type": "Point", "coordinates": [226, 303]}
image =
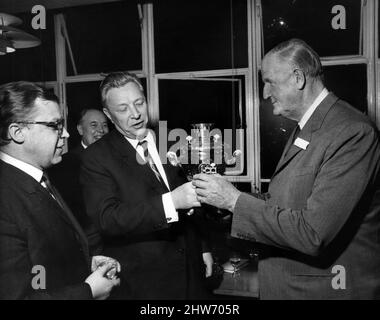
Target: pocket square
{"type": "Point", "coordinates": [301, 143]}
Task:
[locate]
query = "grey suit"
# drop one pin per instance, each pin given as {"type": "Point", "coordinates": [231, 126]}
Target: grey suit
{"type": "Point", "coordinates": [321, 211]}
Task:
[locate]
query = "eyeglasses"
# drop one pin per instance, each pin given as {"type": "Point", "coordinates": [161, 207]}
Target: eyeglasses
{"type": "Point", "coordinates": [56, 125]}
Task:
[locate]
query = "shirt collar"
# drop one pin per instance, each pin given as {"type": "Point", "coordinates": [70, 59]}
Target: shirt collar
{"type": "Point", "coordinates": [83, 145]}
{"type": "Point", "coordinates": [312, 108]}
{"type": "Point", "coordinates": [26, 167]}
{"type": "Point", "coordinates": [135, 142]}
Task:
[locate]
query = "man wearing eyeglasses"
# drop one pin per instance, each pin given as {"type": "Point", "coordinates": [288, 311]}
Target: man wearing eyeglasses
{"type": "Point", "coordinates": [43, 250]}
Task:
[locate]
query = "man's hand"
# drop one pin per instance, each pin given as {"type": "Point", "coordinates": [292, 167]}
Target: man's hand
{"type": "Point", "coordinates": [98, 261]}
{"type": "Point", "coordinates": [208, 261]}
{"type": "Point", "coordinates": [184, 197]}
{"type": "Point", "coordinates": [100, 285]}
{"type": "Point", "coordinates": [214, 190]}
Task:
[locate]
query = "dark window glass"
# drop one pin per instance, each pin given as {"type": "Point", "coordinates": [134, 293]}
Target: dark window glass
{"type": "Point", "coordinates": [199, 35]}
{"type": "Point", "coordinates": [104, 37]}
{"type": "Point", "coordinates": [348, 82]}
{"type": "Point", "coordinates": [311, 21]}
{"type": "Point", "coordinates": [184, 102]}
{"type": "Point", "coordinates": [31, 64]}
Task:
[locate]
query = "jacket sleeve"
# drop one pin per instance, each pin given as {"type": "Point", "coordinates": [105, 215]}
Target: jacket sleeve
{"type": "Point", "coordinates": [348, 169]}
{"type": "Point", "coordinates": [111, 214]}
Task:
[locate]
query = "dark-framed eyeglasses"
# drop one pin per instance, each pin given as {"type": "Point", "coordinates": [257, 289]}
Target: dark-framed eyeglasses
{"type": "Point", "coordinates": [56, 125]}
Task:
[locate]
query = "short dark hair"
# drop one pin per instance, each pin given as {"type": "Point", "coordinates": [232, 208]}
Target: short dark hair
{"type": "Point", "coordinates": [117, 80]}
{"type": "Point", "coordinates": [17, 103]}
{"type": "Point", "coordinates": [301, 55]}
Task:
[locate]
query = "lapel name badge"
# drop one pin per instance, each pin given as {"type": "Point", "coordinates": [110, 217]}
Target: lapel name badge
{"type": "Point", "coordinates": [301, 143]}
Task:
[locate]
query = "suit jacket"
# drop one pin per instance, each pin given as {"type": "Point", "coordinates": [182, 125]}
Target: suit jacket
{"type": "Point", "coordinates": [124, 198]}
{"type": "Point", "coordinates": [65, 177]}
{"type": "Point", "coordinates": [321, 212]}
{"type": "Point", "coordinates": [35, 231]}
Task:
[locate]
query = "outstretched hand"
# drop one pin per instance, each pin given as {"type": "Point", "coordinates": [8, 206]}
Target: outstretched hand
{"type": "Point", "coordinates": [184, 197]}
{"type": "Point", "coordinates": [215, 190]}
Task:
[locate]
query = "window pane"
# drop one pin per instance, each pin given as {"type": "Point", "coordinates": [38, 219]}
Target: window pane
{"type": "Point", "coordinates": [31, 64]}
{"type": "Point", "coordinates": [104, 37]}
{"type": "Point", "coordinates": [348, 82]}
{"type": "Point", "coordinates": [311, 21]}
{"type": "Point", "coordinates": [196, 35]}
{"type": "Point", "coordinates": [184, 102]}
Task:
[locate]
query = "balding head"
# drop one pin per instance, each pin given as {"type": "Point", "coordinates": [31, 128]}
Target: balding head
{"type": "Point", "coordinates": [92, 125]}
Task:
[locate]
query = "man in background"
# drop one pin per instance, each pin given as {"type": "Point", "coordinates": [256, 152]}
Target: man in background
{"type": "Point", "coordinates": [139, 204]}
{"type": "Point", "coordinates": [43, 250]}
{"type": "Point", "coordinates": [92, 126]}
{"type": "Point", "coordinates": [320, 220]}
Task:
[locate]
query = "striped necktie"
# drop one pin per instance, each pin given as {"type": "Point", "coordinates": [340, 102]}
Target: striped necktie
{"type": "Point", "coordinates": [148, 159]}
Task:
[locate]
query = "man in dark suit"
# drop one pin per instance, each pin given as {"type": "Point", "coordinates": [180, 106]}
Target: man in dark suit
{"type": "Point", "coordinates": [43, 250]}
{"type": "Point", "coordinates": [92, 125]}
{"type": "Point", "coordinates": [320, 220]}
{"type": "Point", "coordinates": [133, 199]}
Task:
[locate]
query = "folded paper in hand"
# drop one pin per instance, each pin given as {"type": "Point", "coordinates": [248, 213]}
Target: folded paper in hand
{"type": "Point", "coordinates": [228, 267]}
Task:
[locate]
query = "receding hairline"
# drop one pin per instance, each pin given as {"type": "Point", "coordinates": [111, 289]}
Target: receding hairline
{"type": "Point", "coordinates": [298, 54]}
{"type": "Point", "coordinates": [138, 85]}
{"type": "Point", "coordinates": [85, 112]}
{"type": "Point", "coordinates": [117, 80]}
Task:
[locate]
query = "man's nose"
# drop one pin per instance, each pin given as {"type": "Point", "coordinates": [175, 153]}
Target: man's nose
{"type": "Point", "coordinates": [135, 112]}
{"type": "Point", "coordinates": [65, 134]}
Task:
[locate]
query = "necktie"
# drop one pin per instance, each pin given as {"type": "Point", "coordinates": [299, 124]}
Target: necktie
{"type": "Point", "coordinates": [45, 182]}
{"type": "Point", "coordinates": [149, 160]}
{"type": "Point", "coordinates": [296, 133]}
{"type": "Point", "coordinates": [53, 192]}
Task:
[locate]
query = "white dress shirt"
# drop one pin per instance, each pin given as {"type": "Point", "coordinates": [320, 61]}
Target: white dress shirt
{"type": "Point", "coordinates": [26, 167]}
{"type": "Point", "coordinates": [312, 108]}
{"type": "Point", "coordinates": [171, 213]}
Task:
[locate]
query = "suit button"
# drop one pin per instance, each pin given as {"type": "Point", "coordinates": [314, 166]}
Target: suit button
{"type": "Point", "coordinates": [181, 250]}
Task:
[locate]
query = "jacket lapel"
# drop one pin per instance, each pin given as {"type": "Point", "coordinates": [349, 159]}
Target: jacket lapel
{"type": "Point", "coordinates": [64, 213]}
{"type": "Point", "coordinates": [46, 203]}
{"type": "Point", "coordinates": [314, 123]}
{"type": "Point", "coordinates": [132, 159]}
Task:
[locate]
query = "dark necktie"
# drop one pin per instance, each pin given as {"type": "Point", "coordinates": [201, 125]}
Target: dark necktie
{"type": "Point", "coordinates": [148, 159]}
{"type": "Point", "coordinates": [53, 192]}
{"type": "Point", "coordinates": [296, 133]}
{"type": "Point", "coordinates": [45, 182]}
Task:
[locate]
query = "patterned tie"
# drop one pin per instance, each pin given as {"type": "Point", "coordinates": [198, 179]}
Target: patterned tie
{"type": "Point", "coordinates": [149, 160]}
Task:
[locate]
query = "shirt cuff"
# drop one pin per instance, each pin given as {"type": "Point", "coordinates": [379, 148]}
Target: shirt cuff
{"type": "Point", "coordinates": [171, 213]}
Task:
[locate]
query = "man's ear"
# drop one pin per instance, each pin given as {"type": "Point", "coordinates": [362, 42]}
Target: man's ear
{"type": "Point", "coordinates": [106, 112]}
{"type": "Point", "coordinates": [16, 133]}
{"type": "Point", "coordinates": [80, 129]}
{"type": "Point", "coordinates": [300, 78]}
